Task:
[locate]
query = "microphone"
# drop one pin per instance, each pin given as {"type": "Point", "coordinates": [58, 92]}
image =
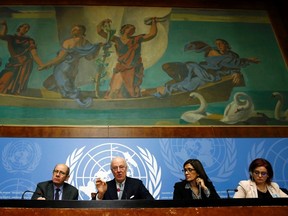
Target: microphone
{"type": "Point", "coordinates": [230, 190]}
{"type": "Point", "coordinates": [28, 191]}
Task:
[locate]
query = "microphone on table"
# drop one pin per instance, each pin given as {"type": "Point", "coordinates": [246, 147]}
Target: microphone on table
{"type": "Point", "coordinates": [230, 190]}
{"type": "Point", "coordinates": [28, 191]}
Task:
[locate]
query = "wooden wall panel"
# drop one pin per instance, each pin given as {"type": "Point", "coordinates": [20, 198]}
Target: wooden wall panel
{"type": "Point", "coordinates": [143, 132]}
{"type": "Point", "coordinates": [211, 211]}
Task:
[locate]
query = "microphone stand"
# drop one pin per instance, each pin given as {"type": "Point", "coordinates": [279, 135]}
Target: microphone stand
{"type": "Point", "coordinates": [228, 190]}
{"type": "Point", "coordinates": [27, 191]}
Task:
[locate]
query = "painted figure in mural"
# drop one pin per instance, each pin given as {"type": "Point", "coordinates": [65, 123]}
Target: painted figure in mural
{"type": "Point", "coordinates": [219, 61]}
{"type": "Point", "coordinates": [15, 76]}
{"type": "Point", "coordinates": [122, 186]}
{"type": "Point", "coordinates": [196, 185]}
{"type": "Point", "coordinates": [129, 71]}
{"type": "Point", "coordinates": [57, 188]}
{"type": "Point", "coordinates": [260, 184]}
{"type": "Point", "coordinates": [66, 65]}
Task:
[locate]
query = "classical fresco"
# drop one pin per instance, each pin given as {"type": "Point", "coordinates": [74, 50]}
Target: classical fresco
{"type": "Point", "coordinates": [100, 65]}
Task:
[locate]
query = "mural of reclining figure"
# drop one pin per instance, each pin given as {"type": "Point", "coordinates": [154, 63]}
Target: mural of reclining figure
{"type": "Point", "coordinates": [219, 61]}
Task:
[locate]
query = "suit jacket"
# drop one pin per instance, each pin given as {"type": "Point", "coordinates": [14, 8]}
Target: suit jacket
{"type": "Point", "coordinates": [46, 189]}
{"type": "Point", "coordinates": [133, 189]}
{"type": "Point", "coordinates": [248, 189]}
{"type": "Point", "coordinates": [183, 193]}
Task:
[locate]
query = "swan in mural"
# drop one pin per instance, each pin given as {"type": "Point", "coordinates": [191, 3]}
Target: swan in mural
{"type": "Point", "coordinates": [239, 110]}
{"type": "Point", "coordinates": [195, 115]}
{"type": "Point", "coordinates": [279, 113]}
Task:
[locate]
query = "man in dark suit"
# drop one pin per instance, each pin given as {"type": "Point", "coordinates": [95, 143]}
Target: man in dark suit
{"type": "Point", "coordinates": [121, 187]}
{"type": "Point", "coordinates": [57, 188]}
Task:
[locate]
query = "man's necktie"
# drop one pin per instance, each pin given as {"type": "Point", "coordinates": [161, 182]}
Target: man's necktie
{"type": "Point", "coordinates": [120, 191]}
{"type": "Point", "coordinates": [57, 194]}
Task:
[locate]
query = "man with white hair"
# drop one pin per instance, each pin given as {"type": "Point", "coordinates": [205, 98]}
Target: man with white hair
{"type": "Point", "coordinates": [121, 187]}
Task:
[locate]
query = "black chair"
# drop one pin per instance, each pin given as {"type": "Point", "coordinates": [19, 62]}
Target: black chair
{"type": "Point", "coordinates": [284, 190]}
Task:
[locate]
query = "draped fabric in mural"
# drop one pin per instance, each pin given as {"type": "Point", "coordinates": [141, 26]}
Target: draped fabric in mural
{"type": "Point", "coordinates": [108, 65]}
{"type": "Point", "coordinates": [157, 162]}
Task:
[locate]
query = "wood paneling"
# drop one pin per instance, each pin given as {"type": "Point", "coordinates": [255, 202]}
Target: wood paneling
{"type": "Point", "coordinates": [143, 132]}
{"type": "Point", "coordinates": [199, 211]}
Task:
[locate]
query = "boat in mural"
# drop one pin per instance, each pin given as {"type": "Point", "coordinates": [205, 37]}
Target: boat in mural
{"type": "Point", "coordinates": [212, 92]}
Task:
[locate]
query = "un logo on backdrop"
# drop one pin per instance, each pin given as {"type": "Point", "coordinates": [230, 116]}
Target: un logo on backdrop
{"type": "Point", "coordinates": [276, 154]}
{"type": "Point", "coordinates": [86, 166]}
{"type": "Point", "coordinates": [218, 156]}
{"type": "Point", "coordinates": [21, 156]}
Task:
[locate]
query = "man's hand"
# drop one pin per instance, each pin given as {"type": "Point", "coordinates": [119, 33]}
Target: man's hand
{"type": "Point", "coordinates": [41, 198]}
{"type": "Point", "coordinates": [101, 186]}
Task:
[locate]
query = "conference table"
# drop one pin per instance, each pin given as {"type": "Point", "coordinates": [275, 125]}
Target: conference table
{"type": "Point", "coordinates": [225, 207]}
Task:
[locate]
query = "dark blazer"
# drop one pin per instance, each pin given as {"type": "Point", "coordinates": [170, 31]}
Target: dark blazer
{"type": "Point", "coordinates": [133, 189]}
{"type": "Point", "coordinates": [181, 193]}
{"type": "Point", "coordinates": [46, 189]}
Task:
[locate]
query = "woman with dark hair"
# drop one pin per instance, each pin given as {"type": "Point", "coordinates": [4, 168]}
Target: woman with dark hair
{"type": "Point", "coordinates": [196, 185]}
{"type": "Point", "coordinates": [260, 184]}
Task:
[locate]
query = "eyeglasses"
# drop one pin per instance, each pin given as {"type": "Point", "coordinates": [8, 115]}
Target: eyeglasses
{"type": "Point", "coordinates": [189, 170]}
{"type": "Point", "coordinates": [60, 172]}
{"type": "Point", "coordinates": [121, 168]}
{"type": "Point", "coordinates": [262, 173]}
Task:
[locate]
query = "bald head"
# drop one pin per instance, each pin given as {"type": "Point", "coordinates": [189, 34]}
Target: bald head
{"type": "Point", "coordinates": [63, 166]}
{"type": "Point", "coordinates": [60, 174]}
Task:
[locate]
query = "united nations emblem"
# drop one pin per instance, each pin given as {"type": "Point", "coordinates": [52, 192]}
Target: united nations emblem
{"type": "Point", "coordinates": [21, 156]}
{"type": "Point", "coordinates": [87, 165]}
{"type": "Point", "coordinates": [277, 156]}
{"type": "Point", "coordinates": [217, 155]}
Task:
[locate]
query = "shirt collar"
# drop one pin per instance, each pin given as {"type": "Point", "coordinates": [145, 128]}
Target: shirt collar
{"type": "Point", "coordinates": [61, 187]}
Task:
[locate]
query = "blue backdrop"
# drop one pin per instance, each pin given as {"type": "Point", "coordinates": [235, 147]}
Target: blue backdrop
{"type": "Point", "coordinates": [157, 162]}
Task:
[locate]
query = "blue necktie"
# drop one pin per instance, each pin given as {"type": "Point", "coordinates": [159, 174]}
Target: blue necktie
{"type": "Point", "coordinates": [57, 194]}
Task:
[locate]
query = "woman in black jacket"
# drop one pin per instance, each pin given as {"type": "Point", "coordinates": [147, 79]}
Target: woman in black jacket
{"type": "Point", "coordinates": [196, 185]}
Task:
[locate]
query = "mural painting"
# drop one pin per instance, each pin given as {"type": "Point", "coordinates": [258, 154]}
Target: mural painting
{"type": "Point", "coordinates": [139, 66]}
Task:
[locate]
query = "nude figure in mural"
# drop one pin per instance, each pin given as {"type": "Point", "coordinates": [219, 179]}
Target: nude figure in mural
{"type": "Point", "coordinates": [219, 61]}
{"type": "Point", "coordinates": [129, 71]}
{"type": "Point", "coordinates": [66, 65]}
{"type": "Point", "coordinates": [15, 76]}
